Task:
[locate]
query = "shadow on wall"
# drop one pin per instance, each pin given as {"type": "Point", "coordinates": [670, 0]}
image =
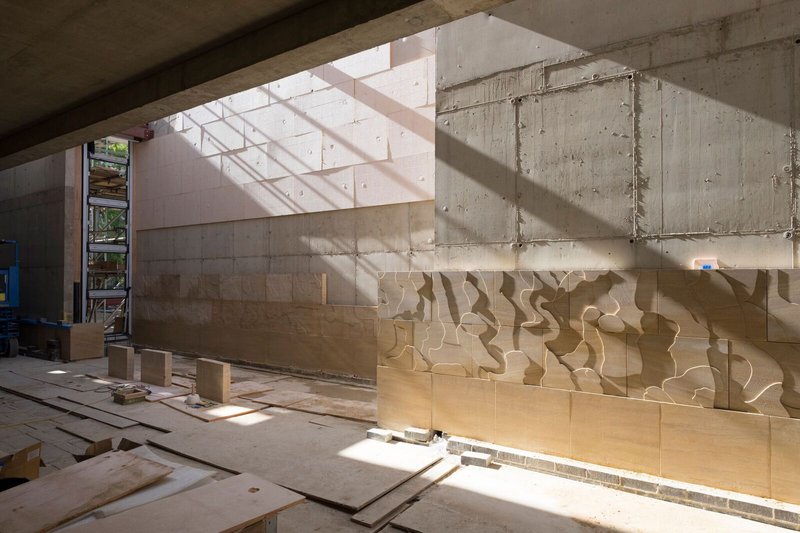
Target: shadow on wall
{"type": "Point", "coordinates": [259, 179]}
{"type": "Point", "coordinates": [682, 135]}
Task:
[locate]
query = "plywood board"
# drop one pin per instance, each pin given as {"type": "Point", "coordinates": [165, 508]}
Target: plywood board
{"type": "Point", "coordinates": [282, 398]}
{"type": "Point", "coordinates": [71, 376]}
{"type": "Point", "coordinates": [90, 412]}
{"type": "Point", "coordinates": [243, 388]}
{"type": "Point", "coordinates": [379, 510]}
{"type": "Point", "coordinates": [162, 393]}
{"type": "Point", "coordinates": [226, 506]}
{"type": "Point", "coordinates": [236, 407]}
{"type": "Point", "coordinates": [151, 414]}
{"type": "Point", "coordinates": [486, 500]}
{"type": "Point", "coordinates": [312, 516]}
{"type": "Point", "coordinates": [348, 470]}
{"type": "Point", "coordinates": [46, 502]}
{"type": "Point", "coordinates": [93, 431]}
{"type": "Point", "coordinates": [351, 409]}
{"type": "Point", "coordinates": [88, 429]}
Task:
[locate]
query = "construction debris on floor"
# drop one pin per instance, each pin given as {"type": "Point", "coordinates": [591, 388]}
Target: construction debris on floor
{"type": "Point", "coordinates": [280, 446]}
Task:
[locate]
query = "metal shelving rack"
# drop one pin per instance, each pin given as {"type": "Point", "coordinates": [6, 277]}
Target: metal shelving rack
{"type": "Point", "coordinates": [106, 221]}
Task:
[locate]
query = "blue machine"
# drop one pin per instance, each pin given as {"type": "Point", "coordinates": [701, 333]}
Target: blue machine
{"type": "Point", "coordinates": [9, 302]}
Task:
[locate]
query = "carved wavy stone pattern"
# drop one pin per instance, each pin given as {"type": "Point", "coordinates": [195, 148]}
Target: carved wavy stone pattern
{"type": "Point", "coordinates": [690, 371]}
{"type": "Point", "coordinates": [721, 304]}
{"type": "Point", "coordinates": [703, 338]}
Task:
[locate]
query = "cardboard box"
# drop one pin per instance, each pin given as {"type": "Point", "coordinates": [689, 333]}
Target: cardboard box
{"type": "Point", "coordinates": [23, 464]}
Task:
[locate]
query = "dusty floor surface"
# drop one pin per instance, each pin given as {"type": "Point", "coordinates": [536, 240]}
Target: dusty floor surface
{"type": "Point", "coordinates": [502, 499]}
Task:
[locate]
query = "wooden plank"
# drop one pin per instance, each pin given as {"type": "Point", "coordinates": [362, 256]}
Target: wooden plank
{"type": "Point", "coordinates": [236, 407]}
{"type": "Point", "coordinates": [151, 414]}
{"type": "Point", "coordinates": [90, 412]}
{"type": "Point", "coordinates": [44, 503]}
{"type": "Point", "coordinates": [392, 503]}
{"type": "Point", "coordinates": [282, 398]}
{"type": "Point", "coordinates": [276, 444]}
{"type": "Point", "coordinates": [69, 376]}
{"type": "Point", "coordinates": [89, 430]}
{"type": "Point", "coordinates": [93, 431]}
{"type": "Point", "coordinates": [225, 506]}
{"type": "Point", "coordinates": [243, 388]}
{"type": "Point", "coordinates": [350, 409]}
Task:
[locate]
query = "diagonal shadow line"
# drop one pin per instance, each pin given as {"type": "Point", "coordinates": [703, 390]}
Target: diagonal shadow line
{"type": "Point", "coordinates": [355, 149]}
{"type": "Point", "coordinates": [379, 102]}
{"type": "Point", "coordinates": [470, 160]}
{"type": "Point", "coordinates": [619, 52]}
{"type": "Point", "coordinates": [257, 178]}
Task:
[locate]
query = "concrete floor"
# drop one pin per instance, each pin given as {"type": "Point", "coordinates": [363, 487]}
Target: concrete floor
{"type": "Point", "coordinates": [502, 499]}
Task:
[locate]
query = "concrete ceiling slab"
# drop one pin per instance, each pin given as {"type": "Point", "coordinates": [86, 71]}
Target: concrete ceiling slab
{"type": "Point", "coordinates": [75, 71]}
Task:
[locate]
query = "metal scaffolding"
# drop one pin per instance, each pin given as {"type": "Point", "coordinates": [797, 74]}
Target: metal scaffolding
{"type": "Point", "coordinates": [106, 261]}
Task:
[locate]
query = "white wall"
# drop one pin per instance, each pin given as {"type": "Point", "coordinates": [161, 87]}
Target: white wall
{"type": "Point", "coordinates": [330, 170]}
{"type": "Point", "coordinates": [353, 133]}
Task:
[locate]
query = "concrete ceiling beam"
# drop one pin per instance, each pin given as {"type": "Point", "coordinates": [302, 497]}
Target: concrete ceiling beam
{"type": "Point", "coordinates": [321, 33]}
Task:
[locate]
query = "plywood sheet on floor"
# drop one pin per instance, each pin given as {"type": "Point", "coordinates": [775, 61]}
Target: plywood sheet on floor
{"type": "Point", "coordinates": [325, 388]}
{"type": "Point", "coordinates": [315, 517]}
{"type": "Point", "coordinates": [378, 511]}
{"type": "Point", "coordinates": [281, 398]}
{"type": "Point", "coordinates": [44, 503]}
{"type": "Point", "coordinates": [90, 412]}
{"type": "Point", "coordinates": [151, 414]}
{"type": "Point", "coordinates": [236, 407]}
{"type": "Point", "coordinates": [352, 409]}
{"type": "Point", "coordinates": [93, 431]}
{"type": "Point", "coordinates": [507, 499]}
{"type": "Point", "coordinates": [227, 505]}
{"type": "Point", "coordinates": [332, 464]}
{"type": "Point", "coordinates": [243, 388]}
{"type": "Point", "coordinates": [71, 376]}
{"type": "Point", "coordinates": [187, 366]}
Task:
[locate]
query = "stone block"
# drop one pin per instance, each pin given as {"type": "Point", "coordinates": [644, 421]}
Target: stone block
{"type": "Point", "coordinates": [616, 432]}
{"type": "Point", "coordinates": [614, 301]}
{"type": "Point", "coordinates": [417, 434]}
{"type": "Point", "coordinates": [157, 367]}
{"type": "Point", "coordinates": [785, 459]}
{"type": "Point", "coordinates": [476, 459]}
{"type": "Point", "coordinates": [404, 398]}
{"type": "Point", "coordinates": [765, 377]}
{"type": "Point", "coordinates": [405, 295]}
{"type": "Point", "coordinates": [718, 448]}
{"type": "Point", "coordinates": [509, 354]}
{"type": "Point", "coordinates": [531, 299]}
{"type": "Point", "coordinates": [464, 406]}
{"type": "Point", "coordinates": [214, 380]}
{"type": "Point", "coordinates": [464, 297]}
{"type": "Point", "coordinates": [383, 435]}
{"type": "Point", "coordinates": [591, 360]}
{"type": "Point", "coordinates": [120, 361]}
{"type": "Point", "coordinates": [533, 418]}
{"type": "Point", "coordinates": [279, 288]}
{"type": "Point", "coordinates": [727, 304]}
{"type": "Point", "coordinates": [689, 371]}
{"type": "Point", "coordinates": [310, 288]}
